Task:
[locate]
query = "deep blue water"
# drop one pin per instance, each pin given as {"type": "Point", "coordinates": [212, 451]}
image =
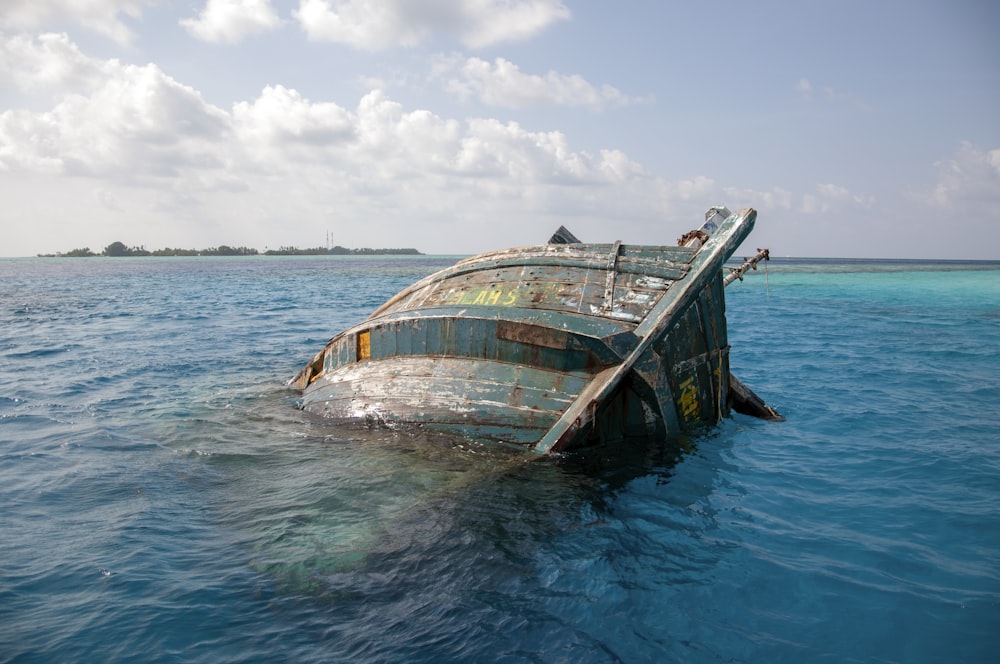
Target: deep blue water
{"type": "Point", "coordinates": [162, 499]}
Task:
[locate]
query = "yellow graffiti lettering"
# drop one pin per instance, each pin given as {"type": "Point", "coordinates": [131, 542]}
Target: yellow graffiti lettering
{"type": "Point", "coordinates": [688, 399]}
{"type": "Point", "coordinates": [487, 297]}
{"type": "Point", "coordinates": [490, 296]}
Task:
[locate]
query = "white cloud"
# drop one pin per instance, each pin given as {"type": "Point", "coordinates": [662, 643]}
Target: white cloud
{"type": "Point", "coordinates": [774, 199]}
{"type": "Point", "coordinates": [525, 157]}
{"type": "Point", "coordinates": [971, 177]}
{"type": "Point", "coordinates": [617, 167]}
{"type": "Point", "coordinates": [699, 187]}
{"type": "Point", "coordinates": [488, 22]}
{"type": "Point", "coordinates": [229, 21]}
{"type": "Point", "coordinates": [835, 192]}
{"type": "Point", "coordinates": [129, 123]}
{"type": "Point", "coordinates": [503, 84]}
{"type": "Point", "coordinates": [134, 123]}
{"type": "Point", "coordinates": [281, 114]}
{"type": "Point", "coordinates": [381, 24]}
{"type": "Point", "coordinates": [384, 142]}
{"type": "Point", "coordinates": [833, 197]}
{"type": "Point", "coordinates": [48, 62]}
{"type": "Point", "coordinates": [831, 96]}
{"type": "Point", "coordinates": [101, 16]}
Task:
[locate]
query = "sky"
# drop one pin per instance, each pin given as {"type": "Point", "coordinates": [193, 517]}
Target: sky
{"type": "Point", "coordinates": [866, 129]}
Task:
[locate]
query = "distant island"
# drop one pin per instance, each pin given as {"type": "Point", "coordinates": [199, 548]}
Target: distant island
{"type": "Point", "coordinates": [120, 249]}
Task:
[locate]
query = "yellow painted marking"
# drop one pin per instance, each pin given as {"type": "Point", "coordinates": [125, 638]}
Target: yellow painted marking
{"type": "Point", "coordinates": [364, 345]}
{"type": "Point", "coordinates": [489, 296]}
{"type": "Point", "coordinates": [689, 400]}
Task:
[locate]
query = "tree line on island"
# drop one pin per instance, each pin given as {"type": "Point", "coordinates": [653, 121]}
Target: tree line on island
{"type": "Point", "coordinates": [120, 249]}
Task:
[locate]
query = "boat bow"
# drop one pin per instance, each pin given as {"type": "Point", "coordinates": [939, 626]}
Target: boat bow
{"type": "Point", "coordinates": [581, 414]}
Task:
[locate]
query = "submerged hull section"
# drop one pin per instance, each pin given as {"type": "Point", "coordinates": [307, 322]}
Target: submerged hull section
{"type": "Point", "coordinates": [550, 347]}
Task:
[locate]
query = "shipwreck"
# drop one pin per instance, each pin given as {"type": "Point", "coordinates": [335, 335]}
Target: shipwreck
{"type": "Point", "coordinates": [551, 347]}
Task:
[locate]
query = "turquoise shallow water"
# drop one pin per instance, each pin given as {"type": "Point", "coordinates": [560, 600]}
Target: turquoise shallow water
{"type": "Point", "coordinates": [164, 500]}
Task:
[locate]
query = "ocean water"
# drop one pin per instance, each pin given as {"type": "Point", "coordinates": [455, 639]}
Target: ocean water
{"type": "Point", "coordinates": [162, 499]}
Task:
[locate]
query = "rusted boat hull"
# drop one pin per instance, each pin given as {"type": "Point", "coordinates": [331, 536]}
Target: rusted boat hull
{"type": "Point", "coordinates": [551, 347]}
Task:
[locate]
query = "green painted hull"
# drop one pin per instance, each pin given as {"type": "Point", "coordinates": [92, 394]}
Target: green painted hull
{"type": "Point", "coordinates": [552, 347]}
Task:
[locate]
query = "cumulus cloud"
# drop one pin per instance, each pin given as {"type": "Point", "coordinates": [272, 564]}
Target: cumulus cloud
{"type": "Point", "coordinates": [280, 114]}
{"type": "Point", "coordinates": [381, 24]}
{"type": "Point", "coordinates": [131, 122]}
{"type": "Point", "coordinates": [502, 83]}
{"type": "Point", "coordinates": [49, 62]}
{"type": "Point", "coordinates": [230, 21]}
{"type": "Point", "coordinates": [617, 167]}
{"type": "Point", "coordinates": [101, 16]}
{"type": "Point", "coordinates": [383, 140]}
